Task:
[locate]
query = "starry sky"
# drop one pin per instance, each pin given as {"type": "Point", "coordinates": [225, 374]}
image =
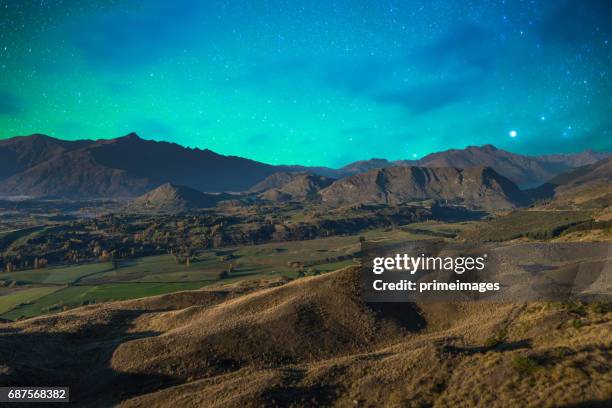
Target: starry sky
{"type": "Point", "coordinates": [311, 82]}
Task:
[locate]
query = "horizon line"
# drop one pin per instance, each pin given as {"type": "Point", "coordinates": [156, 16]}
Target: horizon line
{"type": "Point", "coordinates": [135, 134]}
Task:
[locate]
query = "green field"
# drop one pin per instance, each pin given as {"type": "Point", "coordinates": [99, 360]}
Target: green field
{"type": "Point", "coordinates": [73, 296]}
{"type": "Point", "coordinates": [23, 296]}
{"type": "Point", "coordinates": [58, 275]}
{"type": "Point", "coordinates": [53, 289]}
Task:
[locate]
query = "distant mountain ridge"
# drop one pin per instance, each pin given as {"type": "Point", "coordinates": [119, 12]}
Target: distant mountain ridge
{"type": "Point", "coordinates": [586, 187]}
{"type": "Point", "coordinates": [525, 171]}
{"type": "Point", "coordinates": [129, 166]}
{"type": "Point", "coordinates": [22, 152]}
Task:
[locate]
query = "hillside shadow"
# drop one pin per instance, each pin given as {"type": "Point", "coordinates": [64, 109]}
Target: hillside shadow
{"type": "Point", "coordinates": [456, 214]}
{"type": "Point", "coordinates": [405, 314]}
{"type": "Point", "coordinates": [80, 360]}
{"type": "Point", "coordinates": [304, 396]}
{"type": "Point", "coordinates": [503, 346]}
{"type": "Point", "coordinates": [6, 330]}
{"type": "Point", "coordinates": [604, 403]}
{"type": "Point", "coordinates": [290, 393]}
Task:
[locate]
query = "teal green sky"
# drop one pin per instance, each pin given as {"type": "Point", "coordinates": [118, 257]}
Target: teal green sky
{"type": "Point", "coordinates": [313, 83]}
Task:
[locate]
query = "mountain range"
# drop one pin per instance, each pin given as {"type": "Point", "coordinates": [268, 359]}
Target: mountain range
{"type": "Point", "coordinates": [477, 187]}
{"type": "Point", "coordinates": [525, 171]}
{"type": "Point", "coordinates": [129, 166]}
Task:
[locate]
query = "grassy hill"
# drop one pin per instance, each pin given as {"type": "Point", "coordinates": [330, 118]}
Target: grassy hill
{"type": "Point", "coordinates": [312, 342]}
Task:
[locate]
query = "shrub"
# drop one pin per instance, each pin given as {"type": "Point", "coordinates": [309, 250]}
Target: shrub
{"type": "Point", "coordinates": [313, 272]}
{"type": "Point", "coordinates": [562, 352]}
{"type": "Point", "coordinates": [496, 339]}
{"type": "Point", "coordinates": [574, 308]}
{"type": "Point", "coordinates": [525, 364]}
{"type": "Point", "coordinates": [577, 323]}
{"type": "Point", "coordinates": [601, 307]}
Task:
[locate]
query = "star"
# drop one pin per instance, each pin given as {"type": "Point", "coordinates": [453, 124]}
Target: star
{"type": "Point", "coordinates": [419, 71]}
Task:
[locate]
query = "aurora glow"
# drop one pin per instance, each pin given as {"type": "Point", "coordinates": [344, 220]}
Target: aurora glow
{"type": "Point", "coordinates": [314, 82]}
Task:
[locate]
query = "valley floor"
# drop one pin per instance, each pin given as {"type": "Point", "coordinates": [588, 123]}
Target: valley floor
{"type": "Point", "coordinates": [54, 289]}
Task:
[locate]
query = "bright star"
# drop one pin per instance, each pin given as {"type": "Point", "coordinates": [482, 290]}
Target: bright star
{"type": "Point", "coordinates": [513, 133]}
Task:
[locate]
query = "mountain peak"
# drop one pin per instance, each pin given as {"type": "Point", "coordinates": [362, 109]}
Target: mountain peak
{"type": "Point", "coordinates": [484, 148]}
{"type": "Point", "coordinates": [362, 166]}
{"type": "Point", "coordinates": [38, 136]}
{"type": "Point", "coordinates": [169, 186]}
{"type": "Point", "coordinates": [130, 136]}
{"type": "Point", "coordinates": [170, 197]}
{"type": "Point", "coordinates": [489, 147]}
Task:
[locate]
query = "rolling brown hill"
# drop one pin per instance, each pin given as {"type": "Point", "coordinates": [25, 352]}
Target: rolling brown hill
{"type": "Point", "coordinates": [172, 198]}
{"type": "Point", "coordinates": [478, 187]}
{"type": "Point", "coordinates": [312, 342]}
{"type": "Point", "coordinates": [291, 187]}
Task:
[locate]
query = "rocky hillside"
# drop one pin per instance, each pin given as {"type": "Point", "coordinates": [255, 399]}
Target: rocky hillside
{"type": "Point", "coordinates": [478, 187]}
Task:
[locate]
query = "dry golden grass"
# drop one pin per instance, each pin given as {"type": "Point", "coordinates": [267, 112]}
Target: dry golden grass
{"type": "Point", "coordinates": [312, 342]}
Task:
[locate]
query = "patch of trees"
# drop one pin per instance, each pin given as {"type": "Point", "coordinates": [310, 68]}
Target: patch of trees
{"type": "Point", "coordinates": [589, 226]}
{"type": "Point", "coordinates": [17, 263]}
